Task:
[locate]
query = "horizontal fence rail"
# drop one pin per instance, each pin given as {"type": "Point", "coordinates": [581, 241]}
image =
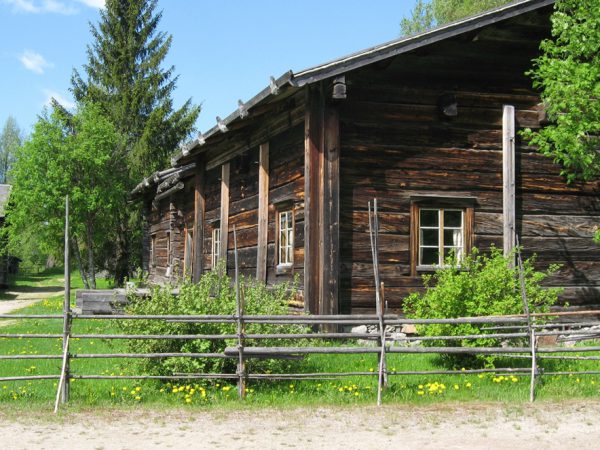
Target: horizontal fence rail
{"type": "Point", "coordinates": [347, 346]}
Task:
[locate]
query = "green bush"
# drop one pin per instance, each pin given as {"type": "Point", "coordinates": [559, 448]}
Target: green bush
{"type": "Point", "coordinates": [212, 295]}
{"type": "Point", "coordinates": [483, 285]}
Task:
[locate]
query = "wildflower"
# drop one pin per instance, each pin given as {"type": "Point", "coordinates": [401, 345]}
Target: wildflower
{"type": "Point", "coordinates": [138, 398]}
{"type": "Point", "coordinates": [468, 385]}
{"type": "Point", "coordinates": [420, 393]}
{"type": "Point", "coordinates": [420, 386]}
{"type": "Point", "coordinates": [138, 389]}
{"type": "Point", "coordinates": [188, 400]}
{"type": "Point", "coordinates": [226, 388]}
{"type": "Point", "coordinates": [456, 387]}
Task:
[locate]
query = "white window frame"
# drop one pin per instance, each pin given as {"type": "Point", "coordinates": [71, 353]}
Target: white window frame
{"type": "Point", "coordinates": [441, 246]}
{"type": "Point", "coordinates": [216, 247]}
{"type": "Point", "coordinates": [285, 252]}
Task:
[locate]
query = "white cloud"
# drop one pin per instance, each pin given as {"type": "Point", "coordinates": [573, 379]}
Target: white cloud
{"type": "Point", "coordinates": [93, 3]}
{"type": "Point", "coordinates": [40, 6]}
{"type": "Point", "coordinates": [34, 61]}
{"type": "Point", "coordinates": [50, 94]}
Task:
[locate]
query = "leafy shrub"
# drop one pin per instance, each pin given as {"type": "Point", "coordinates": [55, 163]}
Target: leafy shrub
{"type": "Point", "coordinates": [483, 285]}
{"type": "Point", "coordinates": [212, 295]}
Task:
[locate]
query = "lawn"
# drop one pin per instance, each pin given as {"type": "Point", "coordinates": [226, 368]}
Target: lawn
{"type": "Point", "coordinates": [415, 389]}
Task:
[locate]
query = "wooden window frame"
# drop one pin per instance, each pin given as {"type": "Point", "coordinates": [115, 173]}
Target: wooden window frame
{"type": "Point", "coordinates": [188, 251]}
{"type": "Point", "coordinates": [465, 204]}
{"type": "Point", "coordinates": [153, 250]}
{"type": "Point", "coordinates": [215, 246]}
{"type": "Point", "coordinates": [284, 208]}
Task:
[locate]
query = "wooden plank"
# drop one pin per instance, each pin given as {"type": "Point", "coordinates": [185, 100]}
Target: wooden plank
{"type": "Point", "coordinates": [330, 228]}
{"type": "Point", "coordinates": [199, 209]}
{"type": "Point", "coordinates": [224, 213]}
{"type": "Point", "coordinates": [263, 212]}
{"type": "Point", "coordinates": [508, 179]}
{"type": "Point", "coordinates": [313, 163]}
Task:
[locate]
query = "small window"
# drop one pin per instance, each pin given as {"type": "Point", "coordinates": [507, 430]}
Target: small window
{"type": "Point", "coordinates": [168, 248]}
{"type": "Point", "coordinates": [153, 250]}
{"type": "Point", "coordinates": [285, 238]}
{"type": "Point", "coordinates": [441, 234]}
{"type": "Point", "coordinates": [216, 247]}
{"type": "Point", "coordinates": [188, 251]}
{"type": "Point", "coordinates": [441, 227]}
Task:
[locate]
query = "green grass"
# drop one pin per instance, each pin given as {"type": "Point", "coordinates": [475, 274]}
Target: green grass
{"type": "Point", "coordinates": [422, 389]}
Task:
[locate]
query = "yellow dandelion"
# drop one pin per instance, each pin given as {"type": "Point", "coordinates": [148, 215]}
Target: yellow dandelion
{"type": "Point", "coordinates": [420, 393]}
{"type": "Point", "coordinates": [456, 387]}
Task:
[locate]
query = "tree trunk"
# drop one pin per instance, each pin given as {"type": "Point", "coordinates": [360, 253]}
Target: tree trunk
{"type": "Point", "coordinates": [77, 253]}
{"type": "Point", "coordinates": [122, 253]}
{"type": "Point", "coordinates": [90, 252]}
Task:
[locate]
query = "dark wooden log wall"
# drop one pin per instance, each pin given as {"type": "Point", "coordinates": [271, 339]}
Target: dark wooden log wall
{"type": "Point", "coordinates": [173, 215]}
{"type": "Point", "coordinates": [396, 144]}
{"type": "Point", "coordinates": [169, 219]}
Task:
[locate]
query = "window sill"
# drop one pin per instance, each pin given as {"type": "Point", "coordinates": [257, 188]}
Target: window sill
{"type": "Point", "coordinates": [283, 269]}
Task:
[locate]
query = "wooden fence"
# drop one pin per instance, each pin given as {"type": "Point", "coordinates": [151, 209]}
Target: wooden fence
{"type": "Point", "coordinates": [523, 328]}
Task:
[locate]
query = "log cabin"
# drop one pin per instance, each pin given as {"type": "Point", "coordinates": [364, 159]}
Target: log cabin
{"type": "Point", "coordinates": [428, 125]}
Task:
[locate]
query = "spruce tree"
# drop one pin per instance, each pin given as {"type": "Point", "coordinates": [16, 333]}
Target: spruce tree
{"type": "Point", "coordinates": [125, 76]}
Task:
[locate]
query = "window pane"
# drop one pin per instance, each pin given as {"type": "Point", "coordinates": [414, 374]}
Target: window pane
{"type": "Point", "coordinates": [455, 251]}
{"type": "Point", "coordinates": [429, 218]}
{"type": "Point", "coordinates": [453, 238]}
{"type": "Point", "coordinates": [453, 219]}
{"type": "Point", "coordinates": [429, 237]}
{"type": "Point", "coordinates": [429, 256]}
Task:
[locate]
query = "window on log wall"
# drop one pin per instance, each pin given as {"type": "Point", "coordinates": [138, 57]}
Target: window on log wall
{"type": "Point", "coordinates": [285, 239]}
{"type": "Point", "coordinates": [216, 247]}
{"type": "Point", "coordinates": [188, 252]}
{"type": "Point", "coordinates": [440, 229]}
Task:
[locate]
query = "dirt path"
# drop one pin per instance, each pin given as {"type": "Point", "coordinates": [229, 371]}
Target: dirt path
{"type": "Point", "coordinates": [21, 298]}
{"type": "Point", "coordinates": [542, 425]}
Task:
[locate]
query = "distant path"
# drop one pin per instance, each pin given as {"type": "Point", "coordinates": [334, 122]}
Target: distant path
{"type": "Point", "coordinates": [23, 296]}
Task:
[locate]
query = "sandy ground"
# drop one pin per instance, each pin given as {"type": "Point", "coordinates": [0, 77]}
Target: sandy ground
{"type": "Point", "coordinates": [542, 425]}
{"type": "Point", "coordinates": [23, 299]}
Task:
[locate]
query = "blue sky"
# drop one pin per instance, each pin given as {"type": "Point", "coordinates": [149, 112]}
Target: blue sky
{"type": "Point", "coordinates": [222, 50]}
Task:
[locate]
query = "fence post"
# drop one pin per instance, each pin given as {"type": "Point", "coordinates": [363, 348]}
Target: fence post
{"type": "Point", "coordinates": [64, 382]}
{"type": "Point", "coordinates": [530, 328]}
{"type": "Point", "coordinates": [241, 367]}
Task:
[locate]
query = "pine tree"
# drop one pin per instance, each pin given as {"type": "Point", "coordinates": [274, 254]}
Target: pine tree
{"type": "Point", "coordinates": [126, 77]}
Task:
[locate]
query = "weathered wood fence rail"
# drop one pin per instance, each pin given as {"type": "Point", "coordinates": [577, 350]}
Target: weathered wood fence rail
{"type": "Point", "coordinates": [242, 352]}
{"type": "Point", "coordinates": [517, 327]}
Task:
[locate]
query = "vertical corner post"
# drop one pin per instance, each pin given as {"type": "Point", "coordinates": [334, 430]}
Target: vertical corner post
{"type": "Point", "coordinates": [199, 209]}
{"type": "Point", "coordinates": [263, 213]}
{"type": "Point", "coordinates": [224, 216]}
{"type": "Point", "coordinates": [508, 179]}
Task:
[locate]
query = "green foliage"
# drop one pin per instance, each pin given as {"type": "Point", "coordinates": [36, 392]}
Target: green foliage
{"type": "Point", "coordinates": [568, 75]}
{"type": "Point", "coordinates": [212, 295]}
{"type": "Point", "coordinates": [72, 156]}
{"type": "Point", "coordinates": [430, 14]}
{"type": "Point", "coordinates": [483, 285]}
{"type": "Point", "coordinates": [126, 78]}
{"type": "Point", "coordinates": [10, 140]}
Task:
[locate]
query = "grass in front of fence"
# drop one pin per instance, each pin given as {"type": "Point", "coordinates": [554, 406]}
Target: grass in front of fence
{"type": "Point", "coordinates": [351, 390]}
